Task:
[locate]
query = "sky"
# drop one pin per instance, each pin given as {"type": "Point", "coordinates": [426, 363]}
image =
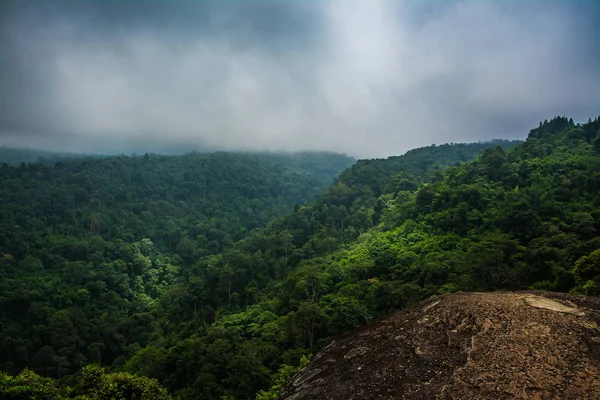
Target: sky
{"type": "Point", "coordinates": [369, 78]}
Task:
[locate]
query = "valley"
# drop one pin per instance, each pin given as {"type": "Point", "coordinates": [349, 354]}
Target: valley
{"type": "Point", "coordinates": [217, 275]}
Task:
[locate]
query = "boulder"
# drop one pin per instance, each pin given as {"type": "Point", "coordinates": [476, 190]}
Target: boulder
{"type": "Point", "coordinates": [502, 345]}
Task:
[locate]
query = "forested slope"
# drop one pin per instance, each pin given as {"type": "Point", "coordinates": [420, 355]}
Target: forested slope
{"type": "Point", "coordinates": [87, 247]}
{"type": "Point", "coordinates": [15, 157]}
{"type": "Point", "coordinates": [104, 259]}
{"type": "Point", "coordinates": [209, 347]}
{"type": "Point", "coordinates": [376, 241]}
{"type": "Point", "coordinates": [386, 234]}
{"type": "Point", "coordinates": [213, 199]}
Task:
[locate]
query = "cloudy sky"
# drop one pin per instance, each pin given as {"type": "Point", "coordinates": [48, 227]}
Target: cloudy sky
{"type": "Point", "coordinates": [370, 78]}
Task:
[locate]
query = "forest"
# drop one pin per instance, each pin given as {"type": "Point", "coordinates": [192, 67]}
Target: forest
{"type": "Point", "coordinates": [15, 156]}
{"type": "Point", "coordinates": [216, 276]}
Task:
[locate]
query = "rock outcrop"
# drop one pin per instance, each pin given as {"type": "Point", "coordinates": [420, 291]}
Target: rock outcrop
{"type": "Point", "coordinates": [521, 345]}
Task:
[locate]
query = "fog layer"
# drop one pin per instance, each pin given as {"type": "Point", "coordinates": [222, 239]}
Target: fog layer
{"type": "Point", "coordinates": [369, 78]}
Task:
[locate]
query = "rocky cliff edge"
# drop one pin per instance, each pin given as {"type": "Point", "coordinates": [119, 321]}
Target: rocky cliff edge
{"type": "Point", "coordinates": [521, 345]}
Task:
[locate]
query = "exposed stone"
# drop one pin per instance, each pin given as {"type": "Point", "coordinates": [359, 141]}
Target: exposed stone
{"type": "Point", "coordinates": [359, 351]}
{"type": "Point", "coordinates": [526, 345]}
{"type": "Point", "coordinates": [431, 305]}
{"type": "Point", "coordinates": [552, 305]}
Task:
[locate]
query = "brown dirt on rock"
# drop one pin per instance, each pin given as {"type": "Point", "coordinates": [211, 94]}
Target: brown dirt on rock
{"type": "Point", "coordinates": [521, 345]}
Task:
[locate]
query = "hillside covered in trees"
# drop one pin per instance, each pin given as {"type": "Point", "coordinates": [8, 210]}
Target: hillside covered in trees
{"type": "Point", "coordinates": [145, 290]}
{"type": "Point", "coordinates": [88, 246]}
{"type": "Point", "coordinates": [15, 157]}
{"type": "Point", "coordinates": [95, 251]}
{"type": "Point", "coordinates": [384, 236]}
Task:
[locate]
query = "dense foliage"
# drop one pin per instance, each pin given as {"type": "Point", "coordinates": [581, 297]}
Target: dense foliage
{"type": "Point", "coordinates": [237, 316]}
{"type": "Point", "coordinates": [93, 383]}
{"type": "Point", "coordinates": [87, 247]}
{"type": "Point", "coordinates": [233, 320]}
{"type": "Point", "coordinates": [378, 240]}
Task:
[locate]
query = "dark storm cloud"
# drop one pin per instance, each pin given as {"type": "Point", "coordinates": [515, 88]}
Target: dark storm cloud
{"type": "Point", "coordinates": [371, 78]}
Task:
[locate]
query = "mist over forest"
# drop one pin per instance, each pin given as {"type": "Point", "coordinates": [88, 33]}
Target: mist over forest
{"type": "Point", "coordinates": [196, 198]}
{"type": "Point", "coordinates": [364, 78]}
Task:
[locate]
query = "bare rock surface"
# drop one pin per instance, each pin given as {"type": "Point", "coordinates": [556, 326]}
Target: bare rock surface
{"type": "Point", "coordinates": [520, 345]}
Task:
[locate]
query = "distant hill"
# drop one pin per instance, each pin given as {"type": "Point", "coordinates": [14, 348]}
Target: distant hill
{"type": "Point", "coordinates": [217, 275]}
{"type": "Point", "coordinates": [107, 237]}
{"type": "Point", "coordinates": [14, 157]}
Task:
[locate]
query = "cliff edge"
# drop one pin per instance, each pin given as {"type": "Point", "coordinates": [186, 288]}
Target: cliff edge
{"type": "Point", "coordinates": [520, 345]}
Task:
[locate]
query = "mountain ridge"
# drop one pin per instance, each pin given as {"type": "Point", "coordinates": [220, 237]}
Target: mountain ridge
{"type": "Point", "coordinates": [231, 320]}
